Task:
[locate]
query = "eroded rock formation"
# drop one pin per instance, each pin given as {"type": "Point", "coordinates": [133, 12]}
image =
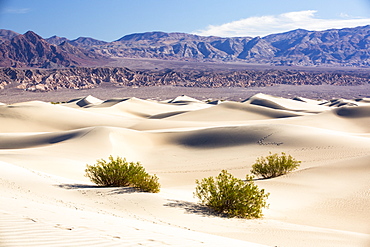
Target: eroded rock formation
{"type": "Point", "coordinates": [85, 77]}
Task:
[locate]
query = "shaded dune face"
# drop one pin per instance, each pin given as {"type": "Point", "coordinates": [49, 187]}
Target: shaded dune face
{"type": "Point", "coordinates": [266, 103]}
{"type": "Point", "coordinates": [279, 103]}
{"type": "Point", "coordinates": [233, 111]}
{"type": "Point", "coordinates": [44, 149]}
{"type": "Point", "coordinates": [220, 137]}
{"type": "Point", "coordinates": [166, 115]}
{"type": "Point", "coordinates": [36, 140]}
{"type": "Point", "coordinates": [353, 112]}
{"type": "Point", "coordinates": [265, 135]}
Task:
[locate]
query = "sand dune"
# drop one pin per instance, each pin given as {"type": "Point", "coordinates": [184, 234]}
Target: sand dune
{"type": "Point", "coordinates": [47, 200]}
{"type": "Point", "coordinates": [233, 111]}
{"type": "Point", "coordinates": [285, 104]}
{"type": "Point", "coordinates": [40, 116]}
{"type": "Point", "coordinates": [183, 99]}
{"type": "Point", "coordinates": [87, 101]}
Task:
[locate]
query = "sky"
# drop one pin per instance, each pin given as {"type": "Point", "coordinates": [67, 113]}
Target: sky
{"type": "Point", "coordinates": [110, 20]}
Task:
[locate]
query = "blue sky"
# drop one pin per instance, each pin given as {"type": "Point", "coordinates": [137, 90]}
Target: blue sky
{"type": "Point", "coordinates": [111, 19]}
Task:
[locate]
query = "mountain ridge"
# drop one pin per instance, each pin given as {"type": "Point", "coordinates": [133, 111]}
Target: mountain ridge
{"type": "Point", "coordinates": [31, 50]}
{"type": "Point", "coordinates": [87, 77]}
{"type": "Point", "coordinates": [332, 47]}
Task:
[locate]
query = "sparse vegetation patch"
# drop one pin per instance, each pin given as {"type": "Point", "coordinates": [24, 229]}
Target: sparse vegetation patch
{"type": "Point", "coordinates": [274, 165]}
{"type": "Point", "coordinates": [120, 173]}
{"type": "Point", "coordinates": [232, 196]}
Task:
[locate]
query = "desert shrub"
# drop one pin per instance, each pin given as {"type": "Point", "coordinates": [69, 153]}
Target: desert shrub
{"type": "Point", "coordinates": [232, 196]}
{"type": "Point", "coordinates": [115, 172]}
{"type": "Point", "coordinates": [274, 165]}
{"type": "Point", "coordinates": [146, 182]}
{"type": "Point", "coordinates": [118, 172]}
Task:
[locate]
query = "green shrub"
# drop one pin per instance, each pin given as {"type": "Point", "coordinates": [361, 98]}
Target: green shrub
{"type": "Point", "coordinates": [118, 172]}
{"type": "Point", "coordinates": [274, 165]}
{"type": "Point", "coordinates": [230, 195]}
{"type": "Point", "coordinates": [146, 182]}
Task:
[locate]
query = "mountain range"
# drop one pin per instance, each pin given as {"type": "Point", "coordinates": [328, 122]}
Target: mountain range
{"type": "Point", "coordinates": [31, 50]}
{"type": "Point", "coordinates": [334, 47]}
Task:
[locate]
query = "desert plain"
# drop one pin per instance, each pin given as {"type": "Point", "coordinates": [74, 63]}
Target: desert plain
{"type": "Point", "coordinates": [46, 200]}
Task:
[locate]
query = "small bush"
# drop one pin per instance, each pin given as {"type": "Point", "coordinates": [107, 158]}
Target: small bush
{"type": "Point", "coordinates": [118, 172]}
{"type": "Point", "coordinates": [230, 195]}
{"type": "Point", "coordinates": [274, 165]}
{"type": "Point", "coordinates": [146, 182]}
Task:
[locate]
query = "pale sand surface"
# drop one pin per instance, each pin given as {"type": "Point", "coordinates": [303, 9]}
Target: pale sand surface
{"type": "Point", "coordinates": [107, 91]}
{"type": "Point", "coordinates": [47, 201]}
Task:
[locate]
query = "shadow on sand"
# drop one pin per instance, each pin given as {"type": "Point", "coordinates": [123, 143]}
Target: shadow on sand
{"type": "Point", "coordinates": [193, 208]}
{"type": "Point", "coordinates": [109, 190]}
{"type": "Point", "coordinates": [77, 186]}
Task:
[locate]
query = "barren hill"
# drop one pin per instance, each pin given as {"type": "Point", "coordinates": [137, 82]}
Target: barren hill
{"type": "Point", "coordinates": [87, 77]}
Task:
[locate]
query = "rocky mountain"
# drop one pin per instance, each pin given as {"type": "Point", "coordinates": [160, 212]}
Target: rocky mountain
{"type": "Point", "coordinates": [348, 47]}
{"type": "Point", "coordinates": [30, 50]}
{"type": "Point", "coordinates": [175, 46]}
{"type": "Point", "coordinates": [7, 35]}
{"type": "Point", "coordinates": [55, 40]}
{"type": "Point", "coordinates": [84, 42]}
{"type": "Point", "coordinates": [86, 78]}
{"type": "Point", "coordinates": [334, 47]}
{"type": "Point", "coordinates": [87, 42]}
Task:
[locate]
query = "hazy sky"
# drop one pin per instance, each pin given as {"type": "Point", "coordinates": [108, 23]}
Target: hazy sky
{"type": "Point", "coordinates": [111, 19]}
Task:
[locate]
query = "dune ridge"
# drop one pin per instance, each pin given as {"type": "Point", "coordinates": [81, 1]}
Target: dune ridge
{"type": "Point", "coordinates": [47, 200]}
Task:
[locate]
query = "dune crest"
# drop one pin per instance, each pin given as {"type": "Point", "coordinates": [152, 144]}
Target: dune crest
{"type": "Point", "coordinates": [285, 104]}
{"type": "Point", "coordinates": [44, 150]}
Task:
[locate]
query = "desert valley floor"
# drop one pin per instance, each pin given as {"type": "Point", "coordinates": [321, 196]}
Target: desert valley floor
{"type": "Point", "coordinates": [47, 201]}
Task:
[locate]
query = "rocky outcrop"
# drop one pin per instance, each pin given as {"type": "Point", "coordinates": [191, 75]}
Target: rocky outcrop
{"type": "Point", "coordinates": [85, 78]}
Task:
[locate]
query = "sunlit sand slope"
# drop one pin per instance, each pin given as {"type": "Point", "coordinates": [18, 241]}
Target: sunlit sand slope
{"type": "Point", "coordinates": [47, 201]}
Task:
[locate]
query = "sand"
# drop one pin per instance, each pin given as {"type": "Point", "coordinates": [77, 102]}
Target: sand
{"type": "Point", "coordinates": [47, 201]}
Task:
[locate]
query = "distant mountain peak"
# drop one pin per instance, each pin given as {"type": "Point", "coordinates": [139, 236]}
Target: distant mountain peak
{"type": "Point", "coordinates": [158, 35]}
{"type": "Point", "coordinates": [87, 41]}
{"type": "Point", "coordinates": [32, 36]}
{"type": "Point", "coordinates": [7, 35]}
{"type": "Point", "coordinates": [144, 36]}
{"type": "Point", "coordinates": [55, 40]}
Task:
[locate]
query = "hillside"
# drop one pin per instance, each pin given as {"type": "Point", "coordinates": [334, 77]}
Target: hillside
{"type": "Point", "coordinates": [343, 47]}
{"type": "Point", "coordinates": [334, 47]}
{"type": "Point", "coordinates": [31, 50]}
{"type": "Point", "coordinates": [87, 78]}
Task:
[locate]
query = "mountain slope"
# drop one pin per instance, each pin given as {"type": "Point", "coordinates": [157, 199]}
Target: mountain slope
{"type": "Point", "coordinates": [334, 47]}
{"type": "Point", "coordinates": [55, 40]}
{"type": "Point", "coordinates": [85, 78]}
{"type": "Point", "coordinates": [86, 42]}
{"type": "Point", "coordinates": [7, 35]}
{"type": "Point", "coordinates": [30, 50]}
{"type": "Point", "coordinates": [345, 47]}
